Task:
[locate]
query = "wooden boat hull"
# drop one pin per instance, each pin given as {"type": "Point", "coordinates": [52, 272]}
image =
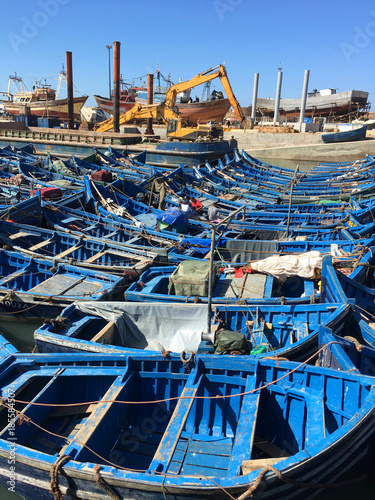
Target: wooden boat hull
{"type": "Point", "coordinates": [81, 251]}
{"type": "Point", "coordinates": [36, 288]}
{"type": "Point", "coordinates": [203, 112]}
{"type": "Point", "coordinates": [46, 109]}
{"type": "Point", "coordinates": [358, 134]}
{"type": "Point", "coordinates": [153, 285]}
{"type": "Point", "coordinates": [106, 104]}
{"type": "Point", "coordinates": [206, 111]}
{"type": "Point", "coordinates": [86, 328]}
{"type": "Point", "coordinates": [319, 421]}
{"type": "Point", "coordinates": [338, 104]}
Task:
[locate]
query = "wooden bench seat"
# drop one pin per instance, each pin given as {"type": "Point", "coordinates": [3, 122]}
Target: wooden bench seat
{"type": "Point", "coordinates": [168, 443]}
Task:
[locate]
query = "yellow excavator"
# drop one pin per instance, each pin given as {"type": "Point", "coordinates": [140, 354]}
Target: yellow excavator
{"type": "Point", "coordinates": [168, 113]}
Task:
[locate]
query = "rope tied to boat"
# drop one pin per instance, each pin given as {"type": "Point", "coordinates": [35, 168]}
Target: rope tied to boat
{"type": "Point", "coordinates": [187, 361]}
{"type": "Point", "coordinates": [54, 474]}
{"type": "Point", "coordinates": [364, 264]}
{"type": "Point", "coordinates": [301, 484]}
{"type": "Point", "coordinates": [103, 484]}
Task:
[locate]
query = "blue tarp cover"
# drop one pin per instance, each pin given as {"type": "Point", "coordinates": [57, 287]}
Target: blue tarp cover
{"type": "Point", "coordinates": [173, 215]}
{"type": "Point", "coordinates": [202, 244]}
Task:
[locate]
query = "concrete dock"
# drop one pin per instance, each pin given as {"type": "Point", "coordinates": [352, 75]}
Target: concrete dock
{"type": "Point", "coordinates": [301, 146]}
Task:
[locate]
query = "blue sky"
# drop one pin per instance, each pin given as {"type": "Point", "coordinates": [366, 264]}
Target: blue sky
{"type": "Point", "coordinates": [334, 40]}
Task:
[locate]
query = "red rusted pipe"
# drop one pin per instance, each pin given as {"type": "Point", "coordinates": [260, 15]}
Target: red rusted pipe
{"type": "Point", "coordinates": [116, 87]}
{"type": "Point", "coordinates": [69, 83]}
{"type": "Point", "coordinates": [150, 100]}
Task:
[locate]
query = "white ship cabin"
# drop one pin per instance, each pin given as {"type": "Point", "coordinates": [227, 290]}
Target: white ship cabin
{"type": "Point", "coordinates": [324, 92]}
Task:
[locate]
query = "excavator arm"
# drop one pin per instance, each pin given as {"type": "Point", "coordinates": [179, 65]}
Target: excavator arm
{"type": "Point", "coordinates": [139, 112]}
{"type": "Point", "coordinates": [232, 99]}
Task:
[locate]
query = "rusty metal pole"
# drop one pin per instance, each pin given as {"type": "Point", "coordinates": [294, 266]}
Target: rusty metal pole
{"type": "Point", "coordinates": [69, 83]}
{"type": "Point", "coordinates": [116, 87]}
{"type": "Point", "coordinates": [150, 100]}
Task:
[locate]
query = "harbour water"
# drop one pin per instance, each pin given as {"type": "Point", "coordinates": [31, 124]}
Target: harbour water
{"type": "Point", "coordinates": [303, 165]}
{"type": "Point", "coordinates": [21, 335]}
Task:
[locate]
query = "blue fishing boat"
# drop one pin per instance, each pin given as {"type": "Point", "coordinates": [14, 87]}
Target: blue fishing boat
{"type": "Point", "coordinates": [35, 288]}
{"type": "Point", "coordinates": [189, 282]}
{"type": "Point", "coordinates": [356, 134]}
{"type": "Point", "coordinates": [38, 175]}
{"type": "Point", "coordinates": [149, 427]}
{"type": "Point", "coordinates": [91, 253]}
{"type": "Point", "coordinates": [110, 203]}
{"type": "Point", "coordinates": [287, 331]}
{"type": "Point", "coordinates": [345, 353]}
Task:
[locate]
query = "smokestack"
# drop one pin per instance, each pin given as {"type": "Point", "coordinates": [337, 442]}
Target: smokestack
{"type": "Point", "coordinates": [116, 87]}
{"type": "Point", "coordinates": [69, 83]}
{"type": "Point", "coordinates": [150, 100]}
{"type": "Point", "coordinates": [255, 97]}
{"type": "Point", "coordinates": [278, 93]}
{"type": "Point", "coordinates": [304, 96]}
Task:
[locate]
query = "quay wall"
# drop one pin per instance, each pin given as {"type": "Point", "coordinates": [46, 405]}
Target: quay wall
{"type": "Point", "coordinates": [299, 146]}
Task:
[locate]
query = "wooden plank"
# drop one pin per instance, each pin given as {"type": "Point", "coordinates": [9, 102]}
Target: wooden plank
{"type": "Point", "coordinates": [95, 257]}
{"type": "Point", "coordinates": [67, 252]}
{"type": "Point", "coordinates": [245, 432]}
{"type": "Point", "coordinates": [201, 460]}
{"type": "Point", "coordinates": [251, 465]}
{"type": "Point", "coordinates": [40, 245]}
{"type": "Point", "coordinates": [210, 447]}
{"type": "Point", "coordinates": [20, 234]}
{"type": "Point", "coordinates": [106, 334]}
{"type": "Point", "coordinates": [231, 286]}
{"type": "Point", "coordinates": [12, 276]}
{"type": "Point", "coordinates": [175, 426]}
{"type": "Point", "coordinates": [83, 431]}
{"type": "Point", "coordinates": [316, 430]}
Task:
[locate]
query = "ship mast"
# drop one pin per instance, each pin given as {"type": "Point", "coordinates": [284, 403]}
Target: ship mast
{"type": "Point", "coordinates": [62, 76]}
{"type": "Point", "coordinates": [16, 79]}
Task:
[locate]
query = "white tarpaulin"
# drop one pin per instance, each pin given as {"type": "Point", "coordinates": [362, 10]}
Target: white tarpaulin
{"type": "Point", "coordinates": [284, 266]}
{"type": "Point", "coordinates": [153, 326]}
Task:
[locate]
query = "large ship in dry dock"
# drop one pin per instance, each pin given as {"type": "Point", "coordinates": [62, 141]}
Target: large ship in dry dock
{"type": "Point", "coordinates": [324, 103]}
{"type": "Point", "coordinates": [42, 102]}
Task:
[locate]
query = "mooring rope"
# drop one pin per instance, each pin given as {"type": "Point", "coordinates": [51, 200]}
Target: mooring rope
{"type": "Point", "coordinates": [54, 473]}
{"type": "Point", "coordinates": [103, 484]}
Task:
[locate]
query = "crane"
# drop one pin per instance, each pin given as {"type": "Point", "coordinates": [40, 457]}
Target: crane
{"type": "Point", "coordinates": [167, 110]}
